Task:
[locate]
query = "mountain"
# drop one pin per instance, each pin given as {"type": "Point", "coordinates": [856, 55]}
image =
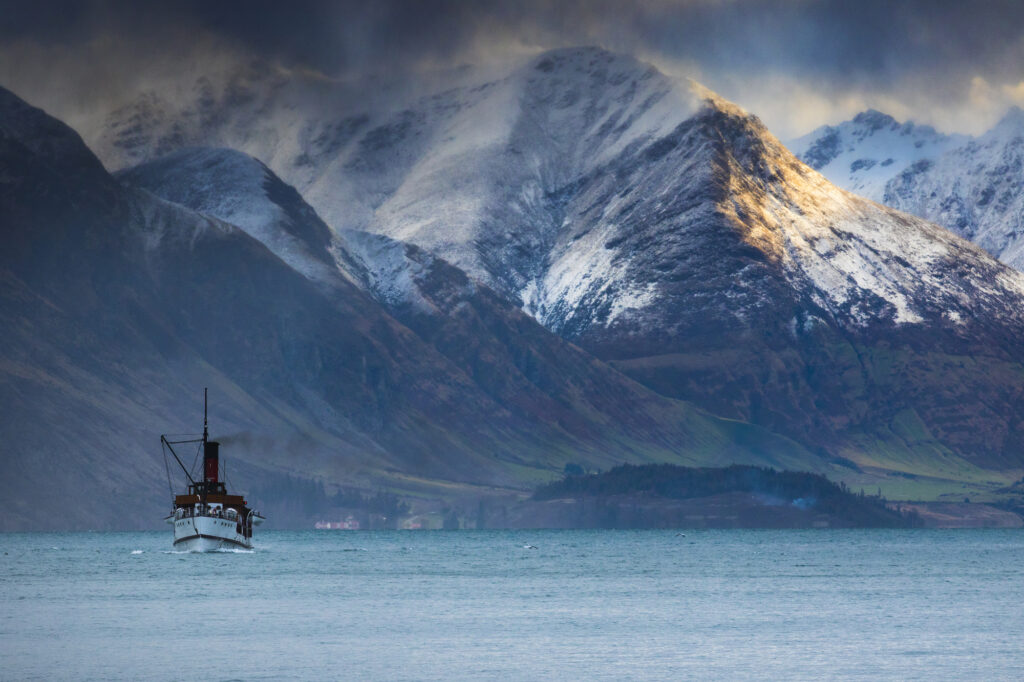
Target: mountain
{"type": "Point", "coordinates": [431, 168]}
{"type": "Point", "coordinates": [968, 185]}
{"type": "Point", "coordinates": [973, 189]}
{"type": "Point", "coordinates": [772, 296]}
{"type": "Point", "coordinates": [511, 357]}
{"type": "Point", "coordinates": [119, 305]}
{"type": "Point", "coordinates": [863, 154]}
{"type": "Point", "coordinates": [666, 231]}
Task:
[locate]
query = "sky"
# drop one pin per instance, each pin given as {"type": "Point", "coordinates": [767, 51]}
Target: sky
{"type": "Point", "coordinates": [797, 64]}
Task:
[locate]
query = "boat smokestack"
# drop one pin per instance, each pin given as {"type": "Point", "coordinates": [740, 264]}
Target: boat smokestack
{"type": "Point", "coordinates": [211, 461]}
{"type": "Point", "coordinates": [211, 451]}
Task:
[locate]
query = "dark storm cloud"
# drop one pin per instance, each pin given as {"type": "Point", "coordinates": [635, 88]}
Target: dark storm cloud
{"type": "Point", "coordinates": [921, 51]}
{"type": "Point", "coordinates": [867, 39]}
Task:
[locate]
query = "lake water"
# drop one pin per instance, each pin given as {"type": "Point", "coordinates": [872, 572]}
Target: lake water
{"type": "Point", "coordinates": [481, 605]}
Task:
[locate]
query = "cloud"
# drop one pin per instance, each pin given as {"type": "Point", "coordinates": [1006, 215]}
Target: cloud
{"type": "Point", "coordinates": [1014, 93]}
{"type": "Point", "coordinates": [798, 63]}
{"type": "Point", "coordinates": [80, 82]}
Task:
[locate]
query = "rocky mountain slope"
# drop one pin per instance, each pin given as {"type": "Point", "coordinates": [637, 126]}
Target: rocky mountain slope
{"type": "Point", "coordinates": [968, 185]}
{"type": "Point", "coordinates": [207, 180]}
{"type": "Point", "coordinates": [665, 231]}
{"type": "Point", "coordinates": [668, 232]}
{"type": "Point", "coordinates": [776, 297]}
{"type": "Point", "coordinates": [118, 306]}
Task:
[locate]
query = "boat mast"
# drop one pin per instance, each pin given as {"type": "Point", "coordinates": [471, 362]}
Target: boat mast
{"type": "Point", "coordinates": [206, 466]}
{"type": "Point", "coordinates": [206, 434]}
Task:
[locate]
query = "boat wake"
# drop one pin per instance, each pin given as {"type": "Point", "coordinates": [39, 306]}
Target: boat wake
{"type": "Point", "coordinates": [224, 550]}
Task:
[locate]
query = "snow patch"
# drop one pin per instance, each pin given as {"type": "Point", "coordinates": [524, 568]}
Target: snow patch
{"type": "Point", "coordinates": [386, 269]}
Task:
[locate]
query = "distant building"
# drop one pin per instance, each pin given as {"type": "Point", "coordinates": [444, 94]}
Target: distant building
{"type": "Point", "coordinates": [350, 523]}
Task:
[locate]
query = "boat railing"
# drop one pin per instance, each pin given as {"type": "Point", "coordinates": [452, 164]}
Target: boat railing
{"type": "Point", "coordinates": [230, 513]}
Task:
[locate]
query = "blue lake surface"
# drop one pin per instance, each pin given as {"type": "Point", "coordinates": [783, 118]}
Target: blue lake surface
{"type": "Point", "coordinates": [407, 605]}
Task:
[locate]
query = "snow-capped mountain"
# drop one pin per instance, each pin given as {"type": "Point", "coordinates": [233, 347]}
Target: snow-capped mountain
{"type": "Point", "coordinates": [863, 154]}
{"type": "Point", "coordinates": [445, 170]}
{"type": "Point", "coordinates": [117, 306]}
{"type": "Point", "coordinates": [702, 259]}
{"type": "Point", "coordinates": [974, 189]}
{"type": "Point", "coordinates": [520, 182]}
{"type": "Point", "coordinates": [855, 263]}
{"type": "Point", "coordinates": [667, 231]}
{"type": "Point", "coordinates": [968, 185]}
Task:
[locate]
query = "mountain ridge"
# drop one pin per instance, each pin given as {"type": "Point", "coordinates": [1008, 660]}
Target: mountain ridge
{"type": "Point", "coordinates": [127, 303]}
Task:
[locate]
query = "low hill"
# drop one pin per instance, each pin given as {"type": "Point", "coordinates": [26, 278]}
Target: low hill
{"type": "Point", "coordinates": [669, 496]}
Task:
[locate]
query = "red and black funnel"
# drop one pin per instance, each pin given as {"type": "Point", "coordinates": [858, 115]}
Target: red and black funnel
{"type": "Point", "coordinates": [211, 451]}
{"type": "Point", "coordinates": [211, 457]}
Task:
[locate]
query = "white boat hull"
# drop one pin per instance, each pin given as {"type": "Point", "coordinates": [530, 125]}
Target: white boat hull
{"type": "Point", "coordinates": [208, 534]}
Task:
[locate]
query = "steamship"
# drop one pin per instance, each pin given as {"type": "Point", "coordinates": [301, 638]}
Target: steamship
{"type": "Point", "coordinates": [207, 518]}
